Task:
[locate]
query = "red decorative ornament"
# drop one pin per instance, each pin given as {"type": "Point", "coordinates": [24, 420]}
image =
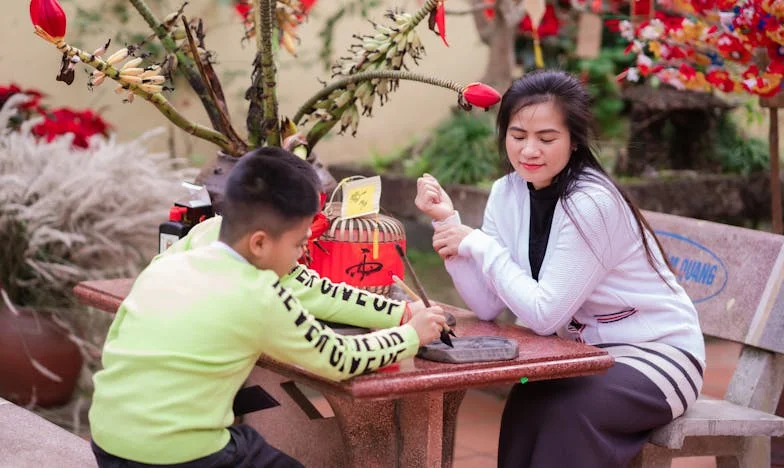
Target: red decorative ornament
{"type": "Point", "coordinates": [49, 16]}
{"type": "Point", "coordinates": [481, 95]}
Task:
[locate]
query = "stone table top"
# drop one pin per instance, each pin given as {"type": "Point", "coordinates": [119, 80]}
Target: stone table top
{"type": "Point", "coordinates": [540, 357]}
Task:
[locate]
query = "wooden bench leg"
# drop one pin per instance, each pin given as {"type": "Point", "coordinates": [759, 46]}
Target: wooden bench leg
{"type": "Point", "coordinates": [755, 453]}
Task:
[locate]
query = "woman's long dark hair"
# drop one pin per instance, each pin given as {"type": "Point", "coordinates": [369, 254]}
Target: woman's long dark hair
{"type": "Point", "coordinates": [571, 98]}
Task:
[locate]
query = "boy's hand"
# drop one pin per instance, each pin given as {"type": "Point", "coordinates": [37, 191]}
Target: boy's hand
{"type": "Point", "coordinates": [416, 308]}
{"type": "Point", "coordinates": [428, 324]}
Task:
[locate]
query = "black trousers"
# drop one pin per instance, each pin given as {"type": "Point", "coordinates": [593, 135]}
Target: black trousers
{"type": "Point", "coordinates": [599, 421]}
{"type": "Point", "coordinates": [246, 449]}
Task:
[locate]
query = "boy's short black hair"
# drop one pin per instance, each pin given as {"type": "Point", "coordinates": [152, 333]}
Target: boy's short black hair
{"type": "Point", "coordinates": [269, 189]}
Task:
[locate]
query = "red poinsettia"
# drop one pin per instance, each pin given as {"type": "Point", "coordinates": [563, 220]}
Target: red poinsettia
{"type": "Point", "coordinates": [549, 25]}
{"type": "Point", "coordinates": [32, 104]}
{"type": "Point", "coordinates": [82, 124]}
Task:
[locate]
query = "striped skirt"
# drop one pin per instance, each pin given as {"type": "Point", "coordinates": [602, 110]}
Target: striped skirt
{"type": "Point", "coordinates": [599, 420]}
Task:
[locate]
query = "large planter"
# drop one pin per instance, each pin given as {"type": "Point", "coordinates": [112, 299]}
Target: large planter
{"type": "Point", "coordinates": [33, 336]}
{"type": "Point", "coordinates": [214, 173]}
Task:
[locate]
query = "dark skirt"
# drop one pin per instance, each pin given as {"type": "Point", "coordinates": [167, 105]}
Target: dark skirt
{"type": "Point", "coordinates": [601, 420]}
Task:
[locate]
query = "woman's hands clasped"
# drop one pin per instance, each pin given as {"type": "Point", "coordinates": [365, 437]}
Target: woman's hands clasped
{"type": "Point", "coordinates": [448, 237]}
{"type": "Point", "coordinates": [432, 200]}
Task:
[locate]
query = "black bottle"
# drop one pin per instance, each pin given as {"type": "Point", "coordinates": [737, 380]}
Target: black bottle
{"type": "Point", "coordinates": [172, 230]}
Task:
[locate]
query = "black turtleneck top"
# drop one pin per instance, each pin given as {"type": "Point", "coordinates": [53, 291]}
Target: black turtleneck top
{"type": "Point", "coordinates": [543, 203]}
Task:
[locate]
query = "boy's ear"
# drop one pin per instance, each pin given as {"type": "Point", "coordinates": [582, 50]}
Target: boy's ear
{"type": "Point", "coordinates": [257, 241]}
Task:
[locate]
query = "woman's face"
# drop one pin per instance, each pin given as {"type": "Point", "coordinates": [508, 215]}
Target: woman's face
{"type": "Point", "coordinates": [538, 143]}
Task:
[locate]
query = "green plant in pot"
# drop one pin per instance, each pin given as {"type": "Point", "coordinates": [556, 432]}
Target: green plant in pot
{"type": "Point", "coordinates": [363, 78]}
{"type": "Point", "coordinates": [67, 214]}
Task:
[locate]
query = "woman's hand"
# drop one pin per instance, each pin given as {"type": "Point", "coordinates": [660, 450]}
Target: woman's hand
{"type": "Point", "coordinates": [432, 200]}
{"type": "Point", "coordinates": [447, 239]}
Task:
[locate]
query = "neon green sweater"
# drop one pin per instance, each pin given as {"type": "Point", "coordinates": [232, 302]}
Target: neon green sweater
{"type": "Point", "coordinates": [190, 332]}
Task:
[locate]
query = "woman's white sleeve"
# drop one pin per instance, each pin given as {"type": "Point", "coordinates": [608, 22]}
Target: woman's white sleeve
{"type": "Point", "coordinates": [569, 275]}
{"type": "Point", "coordinates": [472, 285]}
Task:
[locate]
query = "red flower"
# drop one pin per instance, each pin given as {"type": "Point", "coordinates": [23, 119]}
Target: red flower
{"type": "Point", "coordinates": [613, 25]}
{"type": "Point", "coordinates": [481, 95]}
{"type": "Point", "coordinates": [731, 47]}
{"type": "Point", "coordinates": [83, 125]}
{"type": "Point", "coordinates": [49, 16]}
{"type": "Point", "coordinates": [671, 23]}
{"type": "Point", "coordinates": [307, 5]}
{"type": "Point", "coordinates": [441, 22]}
{"type": "Point", "coordinates": [751, 72]}
{"type": "Point", "coordinates": [242, 8]}
{"type": "Point", "coordinates": [33, 104]}
{"type": "Point", "coordinates": [687, 71]}
{"type": "Point", "coordinates": [490, 11]}
{"type": "Point", "coordinates": [642, 7]}
{"type": "Point", "coordinates": [701, 6]}
{"type": "Point", "coordinates": [720, 79]}
{"type": "Point", "coordinates": [547, 27]}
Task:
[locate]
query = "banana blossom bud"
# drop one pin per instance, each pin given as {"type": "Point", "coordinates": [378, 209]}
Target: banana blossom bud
{"type": "Point", "coordinates": [48, 16]}
{"type": "Point", "coordinates": [481, 95]}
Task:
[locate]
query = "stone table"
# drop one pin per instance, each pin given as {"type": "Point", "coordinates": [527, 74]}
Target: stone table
{"type": "Point", "coordinates": [400, 417]}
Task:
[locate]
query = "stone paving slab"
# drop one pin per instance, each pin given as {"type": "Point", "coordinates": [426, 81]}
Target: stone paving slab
{"type": "Point", "coordinates": [29, 441]}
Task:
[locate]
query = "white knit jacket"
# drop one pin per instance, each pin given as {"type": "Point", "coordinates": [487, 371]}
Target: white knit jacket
{"type": "Point", "coordinates": [604, 291]}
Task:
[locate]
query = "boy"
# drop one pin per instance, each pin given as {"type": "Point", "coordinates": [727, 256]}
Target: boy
{"type": "Point", "coordinates": [195, 322]}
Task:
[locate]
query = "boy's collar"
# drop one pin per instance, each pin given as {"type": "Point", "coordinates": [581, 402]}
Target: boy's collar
{"type": "Point", "coordinates": [231, 251]}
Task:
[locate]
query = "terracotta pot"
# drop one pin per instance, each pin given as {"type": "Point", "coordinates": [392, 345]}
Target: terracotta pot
{"type": "Point", "coordinates": [214, 173]}
{"type": "Point", "coordinates": [48, 344]}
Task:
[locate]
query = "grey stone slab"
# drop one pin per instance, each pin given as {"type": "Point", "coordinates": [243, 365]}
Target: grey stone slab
{"type": "Point", "coordinates": [711, 417]}
{"type": "Point", "coordinates": [733, 275]}
{"type": "Point", "coordinates": [29, 441]}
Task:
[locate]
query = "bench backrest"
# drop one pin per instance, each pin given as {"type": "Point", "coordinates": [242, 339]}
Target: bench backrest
{"type": "Point", "coordinates": [733, 275]}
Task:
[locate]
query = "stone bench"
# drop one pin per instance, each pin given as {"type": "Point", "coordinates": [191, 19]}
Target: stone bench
{"type": "Point", "coordinates": [734, 276]}
{"type": "Point", "coordinates": [29, 441]}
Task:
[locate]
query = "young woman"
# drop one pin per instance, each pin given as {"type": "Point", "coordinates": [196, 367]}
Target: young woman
{"type": "Point", "coordinates": [565, 250]}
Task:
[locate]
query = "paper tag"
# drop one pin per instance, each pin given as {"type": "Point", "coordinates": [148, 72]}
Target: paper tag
{"type": "Point", "coordinates": [197, 196]}
{"type": "Point", "coordinates": [589, 35]}
{"type": "Point", "coordinates": [535, 10]}
{"type": "Point", "coordinates": [361, 197]}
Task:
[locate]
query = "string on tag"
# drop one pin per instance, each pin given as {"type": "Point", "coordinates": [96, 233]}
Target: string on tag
{"type": "Point", "coordinates": [375, 239]}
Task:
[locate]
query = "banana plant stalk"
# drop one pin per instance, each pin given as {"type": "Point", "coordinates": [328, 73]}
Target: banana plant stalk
{"type": "Point", "coordinates": [264, 126]}
{"type": "Point", "coordinates": [186, 64]}
{"type": "Point", "coordinates": [155, 98]}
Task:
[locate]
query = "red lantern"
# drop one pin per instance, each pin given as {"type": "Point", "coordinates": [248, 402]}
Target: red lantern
{"type": "Point", "coordinates": [345, 252]}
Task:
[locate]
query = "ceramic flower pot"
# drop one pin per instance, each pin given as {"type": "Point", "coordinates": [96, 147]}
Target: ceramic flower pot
{"type": "Point", "coordinates": [213, 176]}
{"type": "Point", "coordinates": [40, 364]}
